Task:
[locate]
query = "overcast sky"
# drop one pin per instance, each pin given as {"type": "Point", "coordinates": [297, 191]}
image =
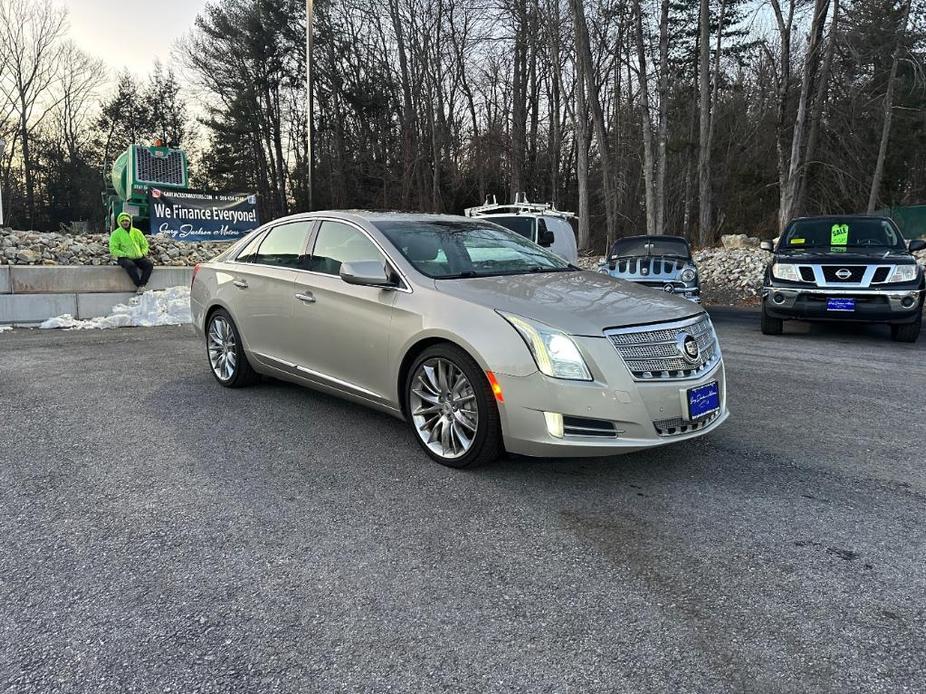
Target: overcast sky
{"type": "Point", "coordinates": [131, 33]}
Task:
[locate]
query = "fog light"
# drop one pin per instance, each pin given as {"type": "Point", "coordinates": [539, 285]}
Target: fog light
{"type": "Point", "coordinates": [907, 302]}
{"type": "Point", "coordinates": [554, 424]}
{"type": "Point", "coordinates": [778, 298]}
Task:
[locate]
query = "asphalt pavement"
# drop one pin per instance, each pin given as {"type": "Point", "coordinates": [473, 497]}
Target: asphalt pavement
{"type": "Point", "coordinates": [159, 533]}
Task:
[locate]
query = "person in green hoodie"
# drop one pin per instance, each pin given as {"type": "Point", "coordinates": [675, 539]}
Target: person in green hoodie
{"type": "Point", "coordinates": [129, 247]}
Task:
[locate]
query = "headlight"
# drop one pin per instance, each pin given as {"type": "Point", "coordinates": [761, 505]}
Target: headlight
{"type": "Point", "coordinates": [786, 271]}
{"type": "Point", "coordinates": [903, 273]}
{"type": "Point", "coordinates": [688, 275]}
{"type": "Point", "coordinates": [553, 350]}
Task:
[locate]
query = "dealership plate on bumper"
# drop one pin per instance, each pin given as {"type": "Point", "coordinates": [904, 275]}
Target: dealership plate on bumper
{"type": "Point", "coordinates": [703, 400]}
{"type": "Point", "coordinates": [840, 304]}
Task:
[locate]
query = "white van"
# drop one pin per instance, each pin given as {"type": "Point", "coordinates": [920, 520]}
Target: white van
{"type": "Point", "coordinates": [541, 223]}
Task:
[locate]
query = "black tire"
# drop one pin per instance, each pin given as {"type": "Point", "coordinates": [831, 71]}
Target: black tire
{"type": "Point", "coordinates": [771, 326]}
{"type": "Point", "coordinates": [487, 443]}
{"type": "Point", "coordinates": [242, 373]}
{"type": "Point", "coordinates": [908, 332]}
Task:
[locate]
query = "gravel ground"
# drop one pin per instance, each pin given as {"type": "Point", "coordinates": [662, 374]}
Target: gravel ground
{"type": "Point", "coordinates": [161, 534]}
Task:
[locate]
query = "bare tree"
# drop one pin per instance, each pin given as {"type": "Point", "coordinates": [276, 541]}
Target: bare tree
{"type": "Point", "coordinates": [31, 33]}
{"type": "Point", "coordinates": [705, 231]}
{"type": "Point", "coordinates": [795, 172]}
{"type": "Point", "coordinates": [888, 110]}
{"type": "Point", "coordinates": [584, 56]}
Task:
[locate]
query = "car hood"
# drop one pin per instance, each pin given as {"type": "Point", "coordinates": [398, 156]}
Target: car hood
{"type": "Point", "coordinates": [578, 303]}
{"type": "Point", "coordinates": [827, 256]}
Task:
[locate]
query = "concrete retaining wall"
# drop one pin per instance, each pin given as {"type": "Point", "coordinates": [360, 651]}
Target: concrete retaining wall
{"type": "Point", "coordinates": [30, 294]}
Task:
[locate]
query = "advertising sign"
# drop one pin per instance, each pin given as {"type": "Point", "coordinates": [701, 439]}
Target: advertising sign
{"type": "Point", "coordinates": [195, 216]}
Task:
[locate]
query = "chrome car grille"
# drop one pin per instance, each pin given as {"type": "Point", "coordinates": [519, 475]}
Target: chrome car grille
{"type": "Point", "coordinates": [678, 426]}
{"type": "Point", "coordinates": [652, 352]}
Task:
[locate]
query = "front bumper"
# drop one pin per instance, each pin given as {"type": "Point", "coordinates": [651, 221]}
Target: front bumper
{"type": "Point", "coordinates": [634, 408]}
{"type": "Point", "coordinates": [871, 305]}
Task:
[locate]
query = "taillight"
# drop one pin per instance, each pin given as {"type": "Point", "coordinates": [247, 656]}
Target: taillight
{"type": "Point", "coordinates": [195, 270]}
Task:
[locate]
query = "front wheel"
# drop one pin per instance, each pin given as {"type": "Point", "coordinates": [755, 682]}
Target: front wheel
{"type": "Point", "coordinates": [451, 408]}
{"type": "Point", "coordinates": [771, 326]}
{"type": "Point", "coordinates": [229, 363]}
{"type": "Point", "coordinates": [909, 332]}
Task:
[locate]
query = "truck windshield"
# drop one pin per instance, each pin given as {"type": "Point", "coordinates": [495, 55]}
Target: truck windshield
{"type": "Point", "coordinates": [834, 232]}
{"type": "Point", "coordinates": [523, 226]}
{"type": "Point", "coordinates": [452, 249]}
{"type": "Point", "coordinates": [650, 245]}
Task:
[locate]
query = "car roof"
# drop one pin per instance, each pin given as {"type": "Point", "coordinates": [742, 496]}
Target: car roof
{"type": "Point", "coordinates": [374, 216]}
{"type": "Point", "coordinates": [842, 216]}
{"type": "Point", "coordinates": [660, 237]}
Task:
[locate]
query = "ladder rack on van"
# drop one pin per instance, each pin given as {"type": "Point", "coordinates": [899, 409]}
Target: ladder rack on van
{"type": "Point", "coordinates": [520, 205]}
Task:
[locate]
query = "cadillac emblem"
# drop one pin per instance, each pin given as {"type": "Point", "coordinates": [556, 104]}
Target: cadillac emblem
{"type": "Point", "coordinates": [687, 346]}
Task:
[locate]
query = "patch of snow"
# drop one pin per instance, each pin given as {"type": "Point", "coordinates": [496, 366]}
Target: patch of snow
{"type": "Point", "coordinates": [4, 328]}
{"type": "Point", "coordinates": [163, 307]}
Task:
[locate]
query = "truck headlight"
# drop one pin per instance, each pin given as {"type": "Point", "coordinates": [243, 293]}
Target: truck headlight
{"type": "Point", "coordinates": [688, 275]}
{"type": "Point", "coordinates": [554, 351]}
{"type": "Point", "coordinates": [903, 273]}
{"type": "Point", "coordinates": [786, 271]}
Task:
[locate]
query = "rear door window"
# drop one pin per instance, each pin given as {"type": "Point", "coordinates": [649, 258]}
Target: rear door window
{"type": "Point", "coordinates": [284, 245]}
{"type": "Point", "coordinates": [249, 252]}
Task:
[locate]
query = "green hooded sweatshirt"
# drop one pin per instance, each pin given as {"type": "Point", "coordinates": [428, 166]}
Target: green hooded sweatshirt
{"type": "Point", "coordinates": [127, 244]}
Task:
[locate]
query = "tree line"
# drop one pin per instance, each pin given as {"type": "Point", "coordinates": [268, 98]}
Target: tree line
{"type": "Point", "coordinates": [691, 117]}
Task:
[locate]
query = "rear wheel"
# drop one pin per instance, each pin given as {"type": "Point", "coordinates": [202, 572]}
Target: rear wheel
{"type": "Point", "coordinates": [771, 326]}
{"type": "Point", "coordinates": [229, 364]}
{"type": "Point", "coordinates": [909, 332]}
{"type": "Point", "coordinates": [451, 408]}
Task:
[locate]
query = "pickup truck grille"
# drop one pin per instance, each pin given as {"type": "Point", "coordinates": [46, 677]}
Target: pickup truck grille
{"type": "Point", "coordinates": [653, 352]}
{"type": "Point", "coordinates": [846, 273]}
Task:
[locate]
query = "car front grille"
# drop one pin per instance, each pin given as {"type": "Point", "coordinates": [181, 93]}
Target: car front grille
{"type": "Point", "coordinates": [855, 273]}
{"type": "Point", "coordinates": [653, 352]}
{"type": "Point", "coordinates": [678, 426]}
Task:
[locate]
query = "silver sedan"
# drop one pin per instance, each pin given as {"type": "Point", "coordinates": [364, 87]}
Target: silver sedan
{"type": "Point", "coordinates": [481, 340]}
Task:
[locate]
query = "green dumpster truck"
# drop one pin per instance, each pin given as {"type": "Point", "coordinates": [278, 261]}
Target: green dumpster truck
{"type": "Point", "coordinates": [135, 171]}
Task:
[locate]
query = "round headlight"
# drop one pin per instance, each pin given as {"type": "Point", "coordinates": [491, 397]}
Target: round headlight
{"type": "Point", "coordinates": [688, 274]}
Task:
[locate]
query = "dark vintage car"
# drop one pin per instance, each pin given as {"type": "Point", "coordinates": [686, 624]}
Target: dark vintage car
{"type": "Point", "coordinates": [661, 262]}
{"type": "Point", "coordinates": [853, 268]}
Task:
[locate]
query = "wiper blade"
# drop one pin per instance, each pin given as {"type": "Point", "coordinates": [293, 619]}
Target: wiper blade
{"type": "Point", "coordinates": [461, 275]}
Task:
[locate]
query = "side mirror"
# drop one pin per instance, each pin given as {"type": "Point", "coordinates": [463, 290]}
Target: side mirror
{"type": "Point", "coordinates": [544, 236]}
{"type": "Point", "coordinates": [916, 245]}
{"type": "Point", "coordinates": [367, 273]}
{"type": "Point", "coordinates": [767, 246]}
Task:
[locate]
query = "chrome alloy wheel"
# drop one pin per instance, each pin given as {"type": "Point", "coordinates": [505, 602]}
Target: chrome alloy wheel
{"type": "Point", "coordinates": [222, 346]}
{"type": "Point", "coordinates": [443, 407]}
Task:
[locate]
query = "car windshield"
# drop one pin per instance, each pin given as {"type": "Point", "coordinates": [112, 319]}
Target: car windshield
{"type": "Point", "coordinates": [835, 233]}
{"type": "Point", "coordinates": [523, 226]}
{"type": "Point", "coordinates": [451, 249]}
{"type": "Point", "coordinates": [642, 245]}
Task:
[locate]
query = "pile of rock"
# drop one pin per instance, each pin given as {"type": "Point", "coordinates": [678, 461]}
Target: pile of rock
{"type": "Point", "coordinates": [740, 270]}
{"type": "Point", "coordinates": [41, 248]}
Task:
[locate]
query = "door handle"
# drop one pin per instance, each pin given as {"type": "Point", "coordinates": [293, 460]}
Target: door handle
{"type": "Point", "coordinates": [241, 284]}
{"type": "Point", "coordinates": [306, 298]}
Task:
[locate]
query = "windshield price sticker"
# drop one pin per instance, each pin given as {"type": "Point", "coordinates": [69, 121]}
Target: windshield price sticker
{"type": "Point", "coordinates": [839, 235]}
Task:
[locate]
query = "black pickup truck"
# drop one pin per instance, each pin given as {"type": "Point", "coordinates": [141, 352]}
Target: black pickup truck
{"type": "Point", "coordinates": [853, 268]}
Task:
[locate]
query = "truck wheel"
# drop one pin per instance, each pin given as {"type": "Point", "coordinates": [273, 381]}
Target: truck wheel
{"type": "Point", "coordinates": [908, 332]}
{"type": "Point", "coordinates": [771, 326]}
